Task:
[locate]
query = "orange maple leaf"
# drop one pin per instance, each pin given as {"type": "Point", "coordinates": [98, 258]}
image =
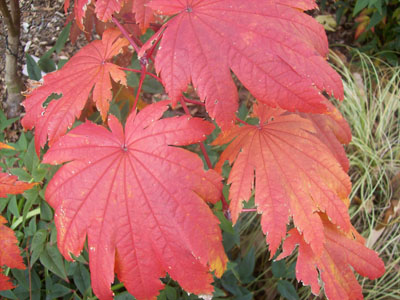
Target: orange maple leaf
{"type": "Point", "coordinates": [341, 250]}
{"type": "Point", "coordinates": [294, 173]}
{"type": "Point", "coordinates": [9, 254]}
{"type": "Point", "coordinates": [104, 10]}
{"type": "Point", "coordinates": [88, 69]}
{"type": "Point", "coordinates": [10, 185]}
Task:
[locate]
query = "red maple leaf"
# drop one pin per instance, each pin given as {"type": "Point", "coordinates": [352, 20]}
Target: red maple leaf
{"type": "Point", "coordinates": [341, 250]}
{"type": "Point", "coordinates": [9, 184]}
{"type": "Point", "coordinates": [9, 254]}
{"type": "Point", "coordinates": [104, 10]}
{"type": "Point", "coordinates": [275, 50]}
{"type": "Point", "coordinates": [88, 69]}
{"type": "Point", "coordinates": [295, 175]}
{"type": "Point", "coordinates": [143, 13]}
{"type": "Point", "coordinates": [140, 202]}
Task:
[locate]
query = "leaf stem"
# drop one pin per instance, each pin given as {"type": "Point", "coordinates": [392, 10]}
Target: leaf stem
{"type": "Point", "coordinates": [117, 286]}
{"type": "Point", "coordinates": [140, 71]}
{"type": "Point", "coordinates": [142, 77]}
{"type": "Point", "coordinates": [206, 157]}
{"type": "Point", "coordinates": [126, 34]}
{"type": "Point", "coordinates": [185, 108]}
{"type": "Point", "coordinates": [197, 102]}
{"type": "Point", "coordinates": [150, 54]}
{"type": "Point", "coordinates": [249, 210]}
{"type": "Point", "coordinates": [225, 205]}
{"type": "Point", "coordinates": [241, 121]}
{"type": "Point", "coordinates": [202, 147]}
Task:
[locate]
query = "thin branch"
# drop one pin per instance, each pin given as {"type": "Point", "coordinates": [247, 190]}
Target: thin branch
{"type": "Point", "coordinates": [206, 157]}
{"type": "Point", "coordinates": [15, 15]}
{"type": "Point", "coordinates": [142, 77]}
{"type": "Point", "coordinates": [225, 205]}
{"type": "Point", "coordinates": [8, 18]}
{"type": "Point", "coordinates": [125, 33]}
{"type": "Point", "coordinates": [150, 54]}
{"type": "Point", "coordinates": [193, 101]}
{"type": "Point", "coordinates": [241, 121]}
{"type": "Point", "coordinates": [140, 71]}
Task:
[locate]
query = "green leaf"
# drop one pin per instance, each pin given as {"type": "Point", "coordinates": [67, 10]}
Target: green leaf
{"type": "Point", "coordinates": [37, 246]}
{"type": "Point", "coordinates": [34, 71]}
{"type": "Point", "coordinates": [132, 79]}
{"type": "Point", "coordinates": [62, 38]}
{"type": "Point", "coordinates": [13, 207]}
{"type": "Point", "coordinates": [61, 63]}
{"type": "Point", "coordinates": [375, 19]}
{"type": "Point", "coordinates": [278, 268]}
{"type": "Point", "coordinates": [31, 161]}
{"type": "Point", "coordinates": [8, 295]}
{"type": "Point", "coordinates": [246, 266]}
{"type": "Point", "coordinates": [247, 296]}
{"type": "Point", "coordinates": [360, 5]}
{"type": "Point", "coordinates": [243, 112]}
{"type": "Point", "coordinates": [47, 65]}
{"type": "Point", "coordinates": [58, 290]}
{"type": "Point", "coordinates": [291, 271]}
{"type": "Point", "coordinates": [152, 86]}
{"type": "Point", "coordinates": [38, 173]}
{"type": "Point", "coordinates": [162, 296]}
{"type": "Point", "coordinates": [31, 229]}
{"type": "Point", "coordinates": [230, 240]}
{"type": "Point", "coordinates": [225, 224]}
{"type": "Point", "coordinates": [52, 260]}
{"type": "Point", "coordinates": [218, 293]}
{"type": "Point", "coordinates": [124, 296]}
{"type": "Point", "coordinates": [21, 174]}
{"type": "Point", "coordinates": [230, 283]}
{"type": "Point", "coordinates": [170, 292]}
{"type": "Point", "coordinates": [4, 122]}
{"type": "Point", "coordinates": [287, 290]}
{"type": "Point", "coordinates": [46, 212]}
{"type": "Point", "coordinates": [22, 143]}
{"type": "Point", "coordinates": [81, 278]}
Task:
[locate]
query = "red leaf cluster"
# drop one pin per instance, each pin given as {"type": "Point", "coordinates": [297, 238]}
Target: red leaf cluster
{"type": "Point", "coordinates": [140, 200]}
{"type": "Point", "coordinates": [297, 167]}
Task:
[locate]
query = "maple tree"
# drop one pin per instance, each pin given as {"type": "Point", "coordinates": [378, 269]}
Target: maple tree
{"type": "Point", "coordinates": [140, 200]}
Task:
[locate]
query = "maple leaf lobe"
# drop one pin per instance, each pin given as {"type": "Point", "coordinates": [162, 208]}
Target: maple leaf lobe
{"type": "Point", "coordinates": [340, 251]}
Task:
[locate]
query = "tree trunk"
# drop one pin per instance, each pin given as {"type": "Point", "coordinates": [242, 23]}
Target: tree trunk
{"type": "Point", "coordinates": [13, 81]}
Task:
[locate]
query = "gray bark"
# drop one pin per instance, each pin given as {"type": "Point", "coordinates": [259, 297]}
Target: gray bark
{"type": "Point", "coordinates": [14, 85]}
